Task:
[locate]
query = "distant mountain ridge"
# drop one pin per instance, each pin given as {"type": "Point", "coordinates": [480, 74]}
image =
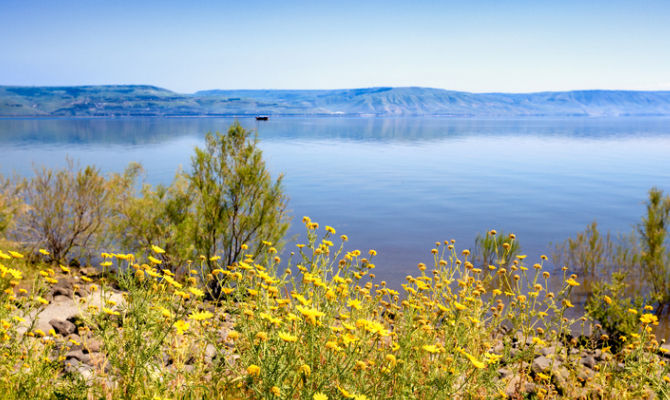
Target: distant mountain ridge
{"type": "Point", "coordinates": [146, 100]}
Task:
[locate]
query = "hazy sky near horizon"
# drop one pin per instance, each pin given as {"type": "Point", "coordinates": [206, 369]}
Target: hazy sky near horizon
{"type": "Point", "coordinates": [478, 46]}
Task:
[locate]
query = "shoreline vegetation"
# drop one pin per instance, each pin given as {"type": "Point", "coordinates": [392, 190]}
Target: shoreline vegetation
{"type": "Point", "coordinates": [203, 298]}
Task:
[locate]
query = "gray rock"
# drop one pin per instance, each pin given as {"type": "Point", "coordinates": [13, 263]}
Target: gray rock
{"type": "Point", "coordinates": [61, 291]}
{"type": "Point", "coordinates": [541, 364]}
{"type": "Point", "coordinates": [74, 366]}
{"type": "Point", "coordinates": [499, 348]}
{"type": "Point", "coordinates": [585, 374]}
{"type": "Point", "coordinates": [63, 328]}
{"type": "Point", "coordinates": [72, 339]}
{"type": "Point", "coordinates": [57, 310]}
{"type": "Point", "coordinates": [588, 361]}
{"type": "Point", "coordinates": [515, 385]}
{"type": "Point", "coordinates": [78, 355]}
{"type": "Point", "coordinates": [82, 292]}
{"type": "Point", "coordinates": [210, 353]}
{"type": "Point", "coordinates": [548, 350]}
{"type": "Point", "coordinates": [560, 377]}
{"type": "Point", "coordinates": [61, 299]}
{"type": "Point", "coordinates": [93, 345]}
{"type": "Point", "coordinates": [90, 272]}
{"type": "Point", "coordinates": [504, 372]}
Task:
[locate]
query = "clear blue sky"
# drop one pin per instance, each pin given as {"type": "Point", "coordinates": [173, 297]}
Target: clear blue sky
{"type": "Point", "coordinates": [513, 46]}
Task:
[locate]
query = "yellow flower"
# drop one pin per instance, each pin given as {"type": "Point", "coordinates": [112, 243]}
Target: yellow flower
{"type": "Point", "coordinates": [648, 319]}
{"type": "Point", "coordinates": [567, 303]}
{"type": "Point", "coordinates": [182, 326]}
{"type": "Point", "coordinates": [154, 260]}
{"type": "Point", "coordinates": [42, 300]}
{"type": "Point", "coordinates": [305, 369]}
{"type": "Point", "coordinates": [572, 282]}
{"type": "Point", "coordinates": [360, 397]}
{"type": "Point", "coordinates": [253, 370]}
{"type": "Point", "coordinates": [109, 311]}
{"type": "Point", "coordinates": [165, 312]}
{"type": "Point", "coordinates": [354, 304]}
{"type": "Point", "coordinates": [319, 396]}
{"type": "Point", "coordinates": [431, 348]}
{"type": "Point", "coordinates": [632, 311]}
{"type": "Point", "coordinates": [607, 299]}
{"type": "Point", "coordinates": [478, 364]}
{"type": "Point", "coordinates": [233, 335]}
{"type": "Point", "coordinates": [201, 315]}
{"type": "Point", "coordinates": [287, 337]}
{"type": "Point", "coordinates": [301, 299]}
{"type": "Point", "coordinates": [157, 249]}
{"type": "Point", "coordinates": [64, 268]}
{"type": "Point", "coordinates": [15, 254]}
{"type": "Point", "coordinates": [459, 306]}
{"type": "Point", "coordinates": [310, 313]}
{"type": "Point", "coordinates": [46, 253]}
{"type": "Point", "coordinates": [275, 391]}
{"type": "Point", "coordinates": [172, 282]}
{"type": "Point", "coordinates": [391, 360]}
{"type": "Point", "coordinates": [197, 292]}
{"type": "Point", "coordinates": [344, 392]}
{"type": "Point", "coordinates": [153, 273]}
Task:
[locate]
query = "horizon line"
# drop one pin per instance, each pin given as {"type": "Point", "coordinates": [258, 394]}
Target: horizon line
{"type": "Point", "coordinates": [331, 89]}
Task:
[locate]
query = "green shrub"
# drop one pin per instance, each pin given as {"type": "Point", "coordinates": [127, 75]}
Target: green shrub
{"type": "Point", "coordinates": [655, 258]}
{"type": "Point", "coordinates": [10, 204]}
{"type": "Point", "coordinates": [66, 210]}
{"type": "Point", "coordinates": [610, 304]}
{"type": "Point", "coordinates": [236, 202]}
{"type": "Point", "coordinates": [156, 216]}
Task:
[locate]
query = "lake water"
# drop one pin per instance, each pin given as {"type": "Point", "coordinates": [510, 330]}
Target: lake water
{"type": "Point", "coordinates": [399, 185]}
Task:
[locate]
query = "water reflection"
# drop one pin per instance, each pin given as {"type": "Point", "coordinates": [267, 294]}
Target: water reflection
{"type": "Point", "coordinates": [139, 131]}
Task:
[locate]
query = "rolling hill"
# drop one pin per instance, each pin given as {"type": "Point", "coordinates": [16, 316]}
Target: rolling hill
{"type": "Point", "coordinates": [144, 100]}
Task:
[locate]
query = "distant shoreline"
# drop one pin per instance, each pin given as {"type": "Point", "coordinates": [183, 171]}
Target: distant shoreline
{"type": "Point", "coordinates": [149, 101]}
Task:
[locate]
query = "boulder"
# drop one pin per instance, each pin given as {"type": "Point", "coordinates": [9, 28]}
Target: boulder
{"type": "Point", "coordinates": [78, 355]}
{"type": "Point", "coordinates": [541, 364]}
{"type": "Point", "coordinates": [90, 272]}
{"type": "Point", "coordinates": [516, 386]}
{"type": "Point", "coordinates": [588, 361]}
{"type": "Point", "coordinates": [63, 327]}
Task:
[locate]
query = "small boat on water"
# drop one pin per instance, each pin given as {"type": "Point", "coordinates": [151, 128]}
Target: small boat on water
{"type": "Point", "coordinates": [262, 118]}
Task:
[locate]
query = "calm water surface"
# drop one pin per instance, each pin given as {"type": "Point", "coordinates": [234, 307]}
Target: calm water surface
{"type": "Point", "coordinates": [399, 185]}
